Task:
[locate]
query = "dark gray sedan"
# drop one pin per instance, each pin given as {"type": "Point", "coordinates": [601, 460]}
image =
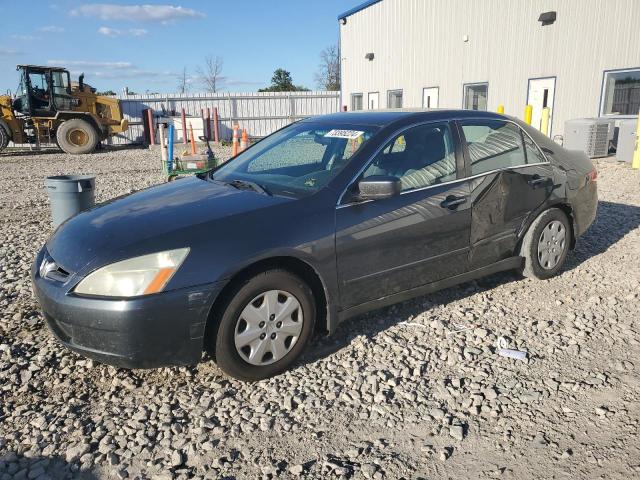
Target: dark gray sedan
{"type": "Point", "coordinates": [325, 219]}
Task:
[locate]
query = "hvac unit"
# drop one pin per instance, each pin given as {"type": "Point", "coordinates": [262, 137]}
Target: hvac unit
{"type": "Point", "coordinates": [626, 140]}
{"type": "Point", "coordinates": [591, 135]}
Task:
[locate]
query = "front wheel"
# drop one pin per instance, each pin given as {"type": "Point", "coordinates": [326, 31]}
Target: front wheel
{"type": "Point", "coordinates": [546, 245]}
{"type": "Point", "coordinates": [4, 138]}
{"type": "Point", "coordinates": [265, 325]}
{"type": "Point", "coordinates": [77, 136]}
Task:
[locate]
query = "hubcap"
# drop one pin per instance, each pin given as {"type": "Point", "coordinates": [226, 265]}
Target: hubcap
{"type": "Point", "coordinates": [268, 327]}
{"type": "Point", "coordinates": [551, 244]}
{"type": "Point", "coordinates": [78, 137]}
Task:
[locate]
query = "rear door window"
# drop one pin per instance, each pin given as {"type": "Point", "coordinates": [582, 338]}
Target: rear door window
{"type": "Point", "coordinates": [534, 155]}
{"type": "Point", "coordinates": [493, 145]}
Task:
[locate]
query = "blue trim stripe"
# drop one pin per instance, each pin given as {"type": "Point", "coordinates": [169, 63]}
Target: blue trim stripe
{"type": "Point", "coordinates": [362, 6]}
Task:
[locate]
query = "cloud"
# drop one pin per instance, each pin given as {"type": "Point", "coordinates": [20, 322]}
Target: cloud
{"type": "Point", "coordinates": [122, 70]}
{"type": "Point", "coordinates": [7, 52]}
{"type": "Point", "coordinates": [114, 32]}
{"type": "Point", "coordinates": [17, 36]}
{"type": "Point", "coordinates": [237, 82]}
{"type": "Point", "coordinates": [141, 13]}
{"type": "Point", "coordinates": [109, 32]}
{"type": "Point", "coordinates": [92, 64]}
{"type": "Point", "coordinates": [108, 70]}
{"type": "Point", "coordinates": [51, 29]}
{"type": "Point", "coordinates": [133, 73]}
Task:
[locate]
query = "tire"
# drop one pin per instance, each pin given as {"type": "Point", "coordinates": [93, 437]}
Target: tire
{"type": "Point", "coordinates": [77, 136]}
{"type": "Point", "coordinates": [546, 245]}
{"type": "Point", "coordinates": [233, 350]}
{"type": "Point", "coordinates": [4, 138]}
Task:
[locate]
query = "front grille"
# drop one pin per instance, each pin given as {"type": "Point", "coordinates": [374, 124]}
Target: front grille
{"type": "Point", "coordinates": [49, 269]}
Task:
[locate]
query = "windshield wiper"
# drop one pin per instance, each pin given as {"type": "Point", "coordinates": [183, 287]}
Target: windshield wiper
{"type": "Point", "coordinates": [245, 184]}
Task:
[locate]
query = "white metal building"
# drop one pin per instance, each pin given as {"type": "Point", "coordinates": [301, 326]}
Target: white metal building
{"type": "Point", "coordinates": [581, 58]}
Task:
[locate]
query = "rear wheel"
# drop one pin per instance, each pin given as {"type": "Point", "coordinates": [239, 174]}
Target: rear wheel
{"type": "Point", "coordinates": [4, 138]}
{"type": "Point", "coordinates": [546, 245]}
{"type": "Point", "coordinates": [77, 136]}
{"type": "Point", "coordinates": [265, 325]}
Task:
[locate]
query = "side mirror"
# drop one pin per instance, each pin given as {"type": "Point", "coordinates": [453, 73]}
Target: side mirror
{"type": "Point", "coordinates": [378, 187]}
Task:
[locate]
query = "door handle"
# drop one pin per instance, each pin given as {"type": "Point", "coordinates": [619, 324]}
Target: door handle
{"type": "Point", "coordinates": [452, 202]}
{"type": "Point", "coordinates": [537, 181]}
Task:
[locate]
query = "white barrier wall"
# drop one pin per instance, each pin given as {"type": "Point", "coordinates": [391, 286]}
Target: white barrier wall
{"type": "Point", "coordinates": [259, 113]}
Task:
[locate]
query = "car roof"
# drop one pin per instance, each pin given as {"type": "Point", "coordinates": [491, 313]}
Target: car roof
{"type": "Point", "coordinates": [386, 117]}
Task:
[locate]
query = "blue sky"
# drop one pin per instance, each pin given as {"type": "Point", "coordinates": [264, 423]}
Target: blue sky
{"type": "Point", "coordinates": [145, 45]}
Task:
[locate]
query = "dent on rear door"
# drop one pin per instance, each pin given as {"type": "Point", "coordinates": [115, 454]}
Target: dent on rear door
{"type": "Point", "coordinates": [502, 202]}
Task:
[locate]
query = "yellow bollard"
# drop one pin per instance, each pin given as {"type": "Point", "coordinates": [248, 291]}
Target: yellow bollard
{"type": "Point", "coordinates": [528, 113]}
{"type": "Point", "coordinates": [635, 163]}
{"type": "Point", "coordinates": [501, 109]}
{"type": "Point", "coordinates": [544, 122]}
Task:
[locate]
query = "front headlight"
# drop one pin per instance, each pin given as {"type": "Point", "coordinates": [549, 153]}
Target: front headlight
{"type": "Point", "coordinates": [135, 276]}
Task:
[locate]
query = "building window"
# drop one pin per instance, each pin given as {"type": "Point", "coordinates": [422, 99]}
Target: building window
{"type": "Point", "coordinates": [621, 93]}
{"type": "Point", "coordinates": [475, 96]}
{"type": "Point", "coordinates": [394, 99]}
{"type": "Point", "coordinates": [356, 101]}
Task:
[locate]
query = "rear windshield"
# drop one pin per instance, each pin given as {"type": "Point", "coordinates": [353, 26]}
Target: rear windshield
{"type": "Point", "coordinates": [299, 159]}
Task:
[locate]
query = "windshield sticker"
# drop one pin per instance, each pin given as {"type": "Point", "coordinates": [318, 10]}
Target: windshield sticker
{"type": "Point", "coordinates": [352, 134]}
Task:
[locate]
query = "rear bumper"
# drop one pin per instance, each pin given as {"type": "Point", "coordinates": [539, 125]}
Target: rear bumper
{"type": "Point", "coordinates": [585, 207]}
{"type": "Point", "coordinates": [164, 329]}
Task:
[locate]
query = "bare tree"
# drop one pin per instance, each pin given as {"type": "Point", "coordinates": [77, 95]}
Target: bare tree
{"type": "Point", "coordinates": [183, 84]}
{"type": "Point", "coordinates": [328, 75]}
{"type": "Point", "coordinates": [211, 74]}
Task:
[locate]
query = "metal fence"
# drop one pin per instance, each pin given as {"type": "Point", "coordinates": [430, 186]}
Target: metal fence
{"type": "Point", "coordinates": [259, 113]}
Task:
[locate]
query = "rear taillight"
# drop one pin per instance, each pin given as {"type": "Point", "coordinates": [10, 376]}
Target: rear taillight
{"type": "Point", "coordinates": [592, 176]}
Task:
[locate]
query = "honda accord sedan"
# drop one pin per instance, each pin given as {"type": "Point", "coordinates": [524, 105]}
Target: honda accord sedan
{"type": "Point", "coordinates": [325, 219]}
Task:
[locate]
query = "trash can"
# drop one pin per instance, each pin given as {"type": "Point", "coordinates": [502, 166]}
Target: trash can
{"type": "Point", "coordinates": [69, 195]}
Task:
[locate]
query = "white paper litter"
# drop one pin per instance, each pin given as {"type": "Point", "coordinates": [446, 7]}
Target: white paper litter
{"type": "Point", "coordinates": [502, 344]}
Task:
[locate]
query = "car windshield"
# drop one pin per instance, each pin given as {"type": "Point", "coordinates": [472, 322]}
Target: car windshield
{"type": "Point", "coordinates": [297, 160]}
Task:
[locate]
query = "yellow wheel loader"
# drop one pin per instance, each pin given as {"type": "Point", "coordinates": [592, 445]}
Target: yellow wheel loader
{"type": "Point", "coordinates": [48, 108]}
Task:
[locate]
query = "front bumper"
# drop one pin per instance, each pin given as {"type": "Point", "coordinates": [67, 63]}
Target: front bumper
{"type": "Point", "coordinates": [159, 330]}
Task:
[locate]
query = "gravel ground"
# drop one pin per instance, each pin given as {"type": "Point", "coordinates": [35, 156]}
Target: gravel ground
{"type": "Point", "coordinates": [412, 391]}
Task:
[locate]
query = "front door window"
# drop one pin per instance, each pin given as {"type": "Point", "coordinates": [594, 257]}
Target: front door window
{"type": "Point", "coordinates": [420, 156]}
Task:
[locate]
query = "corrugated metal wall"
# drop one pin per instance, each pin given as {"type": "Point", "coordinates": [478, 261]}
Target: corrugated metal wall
{"type": "Point", "coordinates": [260, 113]}
{"type": "Point", "coordinates": [420, 43]}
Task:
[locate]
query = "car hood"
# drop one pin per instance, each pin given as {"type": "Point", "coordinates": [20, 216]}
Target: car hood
{"type": "Point", "coordinates": [100, 235]}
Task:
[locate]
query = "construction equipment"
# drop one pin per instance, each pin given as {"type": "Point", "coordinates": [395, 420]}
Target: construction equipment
{"type": "Point", "coordinates": [48, 108]}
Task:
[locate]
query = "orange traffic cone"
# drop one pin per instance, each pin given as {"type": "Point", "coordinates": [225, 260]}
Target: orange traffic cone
{"type": "Point", "coordinates": [244, 141]}
{"type": "Point", "coordinates": [235, 140]}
